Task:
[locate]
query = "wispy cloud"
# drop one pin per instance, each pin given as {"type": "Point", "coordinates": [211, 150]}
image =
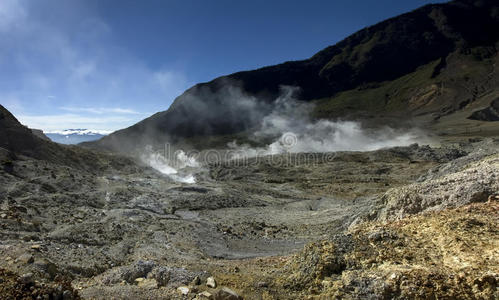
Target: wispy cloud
{"type": "Point", "coordinates": [101, 110]}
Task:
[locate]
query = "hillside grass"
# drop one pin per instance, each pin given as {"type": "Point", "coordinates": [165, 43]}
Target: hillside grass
{"type": "Point", "coordinates": [469, 69]}
{"type": "Point", "coordinates": [384, 97]}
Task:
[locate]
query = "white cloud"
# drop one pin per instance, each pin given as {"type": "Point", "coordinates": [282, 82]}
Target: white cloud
{"type": "Point", "coordinates": [123, 111]}
{"type": "Point", "coordinates": [101, 110]}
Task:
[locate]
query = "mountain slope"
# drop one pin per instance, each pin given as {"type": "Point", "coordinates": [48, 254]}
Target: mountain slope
{"type": "Point", "coordinates": [432, 43]}
{"type": "Point", "coordinates": [18, 142]}
{"type": "Point", "coordinates": [20, 139]}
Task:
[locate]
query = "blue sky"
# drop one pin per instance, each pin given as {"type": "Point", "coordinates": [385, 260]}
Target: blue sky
{"type": "Point", "coordinates": [107, 64]}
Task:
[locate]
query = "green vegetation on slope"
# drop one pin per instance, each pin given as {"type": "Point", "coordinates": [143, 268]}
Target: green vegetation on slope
{"type": "Point", "coordinates": [443, 83]}
{"type": "Point", "coordinates": [387, 96]}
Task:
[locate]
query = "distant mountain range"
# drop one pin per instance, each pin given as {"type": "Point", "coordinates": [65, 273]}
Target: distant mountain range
{"type": "Point", "coordinates": [425, 66]}
{"type": "Point", "coordinates": [75, 136]}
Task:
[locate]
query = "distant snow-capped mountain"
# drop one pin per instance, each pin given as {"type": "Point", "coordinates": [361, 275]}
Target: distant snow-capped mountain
{"type": "Point", "coordinates": [75, 136]}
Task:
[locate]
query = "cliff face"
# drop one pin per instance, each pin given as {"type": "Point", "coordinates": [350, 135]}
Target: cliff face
{"type": "Point", "coordinates": [460, 33]}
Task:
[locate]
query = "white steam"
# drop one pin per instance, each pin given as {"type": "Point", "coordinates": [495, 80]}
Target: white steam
{"type": "Point", "coordinates": [175, 165]}
{"type": "Point", "coordinates": [330, 136]}
{"type": "Point", "coordinates": [292, 131]}
{"type": "Point", "coordinates": [284, 126]}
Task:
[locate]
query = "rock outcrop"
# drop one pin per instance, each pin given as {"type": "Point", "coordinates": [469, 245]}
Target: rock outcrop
{"type": "Point", "coordinates": [474, 183]}
{"type": "Point", "coordinates": [490, 113]}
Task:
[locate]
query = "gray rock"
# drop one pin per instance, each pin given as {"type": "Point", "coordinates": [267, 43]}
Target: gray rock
{"type": "Point", "coordinates": [129, 273]}
{"type": "Point", "coordinates": [227, 294]}
{"type": "Point", "coordinates": [196, 281]}
{"type": "Point", "coordinates": [46, 266]}
{"type": "Point", "coordinates": [205, 295]}
{"type": "Point", "coordinates": [26, 258]}
{"type": "Point", "coordinates": [161, 275]}
{"type": "Point", "coordinates": [67, 295]}
{"type": "Point", "coordinates": [26, 279]}
{"type": "Point", "coordinates": [172, 276]}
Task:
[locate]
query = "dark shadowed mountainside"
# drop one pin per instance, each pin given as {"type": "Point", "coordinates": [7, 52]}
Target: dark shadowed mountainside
{"type": "Point", "coordinates": [490, 113]}
{"type": "Point", "coordinates": [425, 64]}
{"type": "Point", "coordinates": [20, 139]}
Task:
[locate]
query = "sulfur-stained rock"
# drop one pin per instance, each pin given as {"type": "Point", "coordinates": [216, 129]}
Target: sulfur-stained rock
{"type": "Point", "coordinates": [210, 282]}
{"type": "Point", "coordinates": [148, 283]}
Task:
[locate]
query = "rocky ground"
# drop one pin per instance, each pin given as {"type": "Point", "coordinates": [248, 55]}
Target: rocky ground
{"type": "Point", "coordinates": [404, 222]}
